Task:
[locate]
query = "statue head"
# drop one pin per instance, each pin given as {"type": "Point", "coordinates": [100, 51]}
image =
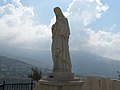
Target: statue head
{"type": "Point", "coordinates": [58, 12]}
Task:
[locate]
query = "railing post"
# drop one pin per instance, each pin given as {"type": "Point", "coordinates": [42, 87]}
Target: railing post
{"type": "Point", "coordinates": [3, 85]}
{"type": "Point", "coordinates": [31, 84]}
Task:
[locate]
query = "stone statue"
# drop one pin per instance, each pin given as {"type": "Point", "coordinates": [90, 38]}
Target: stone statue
{"type": "Point", "coordinates": [60, 47]}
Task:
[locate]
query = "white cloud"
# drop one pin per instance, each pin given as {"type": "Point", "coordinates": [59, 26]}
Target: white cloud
{"type": "Point", "coordinates": [86, 11]}
{"type": "Point", "coordinates": [81, 13]}
{"type": "Point", "coordinates": [101, 42]}
{"type": "Point", "coordinates": [17, 26]}
{"type": "Point", "coordinates": [17, 3]}
{"type": "Point", "coordinates": [83, 38]}
{"type": "Point", "coordinates": [104, 43]}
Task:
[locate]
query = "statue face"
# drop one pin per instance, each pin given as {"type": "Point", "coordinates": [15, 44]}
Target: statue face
{"type": "Point", "coordinates": [58, 12]}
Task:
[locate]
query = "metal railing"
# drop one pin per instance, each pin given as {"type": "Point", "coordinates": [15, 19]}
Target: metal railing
{"type": "Point", "coordinates": [17, 86]}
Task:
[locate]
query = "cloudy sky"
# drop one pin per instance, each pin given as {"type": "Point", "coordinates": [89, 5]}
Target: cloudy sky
{"type": "Point", "coordinates": [94, 25]}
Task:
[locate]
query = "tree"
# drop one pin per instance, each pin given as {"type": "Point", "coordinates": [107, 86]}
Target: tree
{"type": "Point", "coordinates": [36, 74]}
{"type": "Point", "coordinates": [118, 75]}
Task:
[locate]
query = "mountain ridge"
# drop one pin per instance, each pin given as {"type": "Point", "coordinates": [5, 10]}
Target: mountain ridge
{"type": "Point", "coordinates": [13, 69]}
{"type": "Point", "coordinates": [83, 63]}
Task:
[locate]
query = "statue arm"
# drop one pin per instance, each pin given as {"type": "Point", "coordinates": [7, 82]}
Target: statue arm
{"type": "Point", "coordinates": [65, 31]}
{"type": "Point", "coordinates": [53, 30]}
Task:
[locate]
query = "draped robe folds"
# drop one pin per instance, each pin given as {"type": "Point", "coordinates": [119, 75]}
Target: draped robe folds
{"type": "Point", "coordinates": [60, 48]}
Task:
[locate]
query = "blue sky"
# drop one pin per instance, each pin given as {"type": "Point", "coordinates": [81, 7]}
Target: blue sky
{"type": "Point", "coordinates": [94, 24]}
{"type": "Point", "coordinates": [109, 18]}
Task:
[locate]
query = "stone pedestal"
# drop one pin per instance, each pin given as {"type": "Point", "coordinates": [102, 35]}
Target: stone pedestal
{"type": "Point", "coordinates": [59, 81]}
{"type": "Point", "coordinates": [71, 85]}
{"type": "Point", "coordinates": [60, 76]}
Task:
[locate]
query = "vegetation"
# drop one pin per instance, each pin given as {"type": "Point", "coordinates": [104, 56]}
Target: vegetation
{"type": "Point", "coordinates": [14, 70]}
{"type": "Point", "coordinates": [118, 75]}
{"type": "Point", "coordinates": [36, 74]}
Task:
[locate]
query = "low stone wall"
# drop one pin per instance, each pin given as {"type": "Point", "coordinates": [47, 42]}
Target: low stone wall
{"type": "Point", "coordinates": [96, 83]}
{"type": "Point", "coordinates": [90, 83]}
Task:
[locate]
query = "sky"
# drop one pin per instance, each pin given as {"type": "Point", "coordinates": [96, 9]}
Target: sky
{"type": "Point", "coordinates": [94, 25]}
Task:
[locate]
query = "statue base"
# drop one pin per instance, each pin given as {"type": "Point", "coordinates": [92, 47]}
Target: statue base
{"type": "Point", "coordinates": [60, 76]}
{"type": "Point", "coordinates": [59, 81]}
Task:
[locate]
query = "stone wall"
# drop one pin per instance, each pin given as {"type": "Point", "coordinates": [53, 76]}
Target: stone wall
{"type": "Point", "coordinates": [90, 83]}
{"type": "Point", "coordinates": [96, 83]}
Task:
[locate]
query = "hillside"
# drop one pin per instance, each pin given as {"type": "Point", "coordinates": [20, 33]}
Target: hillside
{"type": "Point", "coordinates": [12, 69]}
{"type": "Point", "coordinates": [83, 63]}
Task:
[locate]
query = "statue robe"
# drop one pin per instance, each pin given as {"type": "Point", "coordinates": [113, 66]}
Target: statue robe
{"type": "Point", "coordinates": [60, 47]}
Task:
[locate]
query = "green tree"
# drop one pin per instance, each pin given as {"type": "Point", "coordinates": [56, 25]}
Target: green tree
{"type": "Point", "coordinates": [36, 74]}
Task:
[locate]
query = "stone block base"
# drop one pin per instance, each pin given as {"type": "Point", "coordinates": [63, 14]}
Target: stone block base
{"type": "Point", "coordinates": [60, 76]}
{"type": "Point", "coordinates": [59, 81]}
{"type": "Point", "coordinates": [48, 85]}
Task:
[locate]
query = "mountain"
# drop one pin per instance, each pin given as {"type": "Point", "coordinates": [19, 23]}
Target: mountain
{"type": "Point", "coordinates": [83, 63]}
{"type": "Point", "coordinates": [89, 64]}
{"type": "Point", "coordinates": [12, 69]}
{"type": "Point", "coordinates": [39, 58]}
